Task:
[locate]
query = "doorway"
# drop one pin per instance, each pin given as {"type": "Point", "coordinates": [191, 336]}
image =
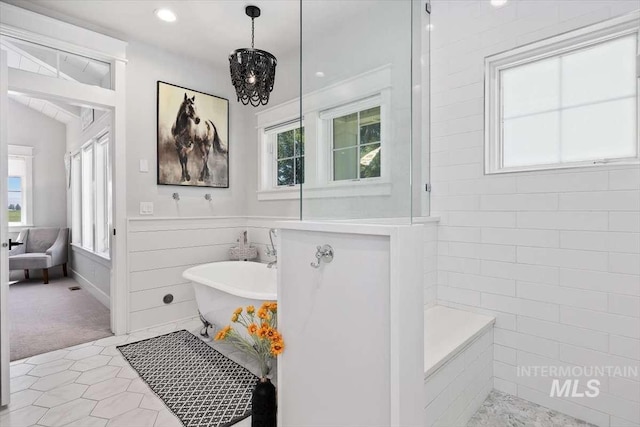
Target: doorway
{"type": "Point", "coordinates": [60, 48]}
{"type": "Point", "coordinates": [59, 190]}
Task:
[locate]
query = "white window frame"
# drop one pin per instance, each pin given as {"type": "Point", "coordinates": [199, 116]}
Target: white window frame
{"type": "Point", "coordinates": [568, 42]}
{"type": "Point", "coordinates": [326, 138]}
{"type": "Point", "coordinates": [270, 141]}
{"type": "Point", "coordinates": [103, 137]}
{"type": "Point", "coordinates": [24, 153]}
{"type": "Point", "coordinates": [318, 181]}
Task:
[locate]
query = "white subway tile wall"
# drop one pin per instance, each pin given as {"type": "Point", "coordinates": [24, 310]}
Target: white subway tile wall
{"type": "Point", "coordinates": [553, 255]}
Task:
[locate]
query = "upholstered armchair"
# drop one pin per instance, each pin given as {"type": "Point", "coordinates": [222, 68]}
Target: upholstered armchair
{"type": "Point", "coordinates": [42, 248]}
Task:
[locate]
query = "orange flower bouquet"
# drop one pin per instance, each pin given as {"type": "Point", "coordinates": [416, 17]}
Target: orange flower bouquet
{"type": "Point", "coordinates": [262, 342]}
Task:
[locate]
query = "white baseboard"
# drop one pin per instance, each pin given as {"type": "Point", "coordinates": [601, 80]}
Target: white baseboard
{"type": "Point", "coordinates": [91, 288]}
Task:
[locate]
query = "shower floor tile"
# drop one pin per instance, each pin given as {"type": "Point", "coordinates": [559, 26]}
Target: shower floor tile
{"type": "Point", "coordinates": [505, 410]}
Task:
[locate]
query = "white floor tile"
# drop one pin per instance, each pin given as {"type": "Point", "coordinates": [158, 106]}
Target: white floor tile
{"type": "Point", "coordinates": [22, 417]}
{"type": "Point", "coordinates": [134, 418]}
{"type": "Point", "coordinates": [91, 363]}
{"type": "Point", "coordinates": [20, 369]}
{"type": "Point", "coordinates": [61, 395]}
{"type": "Point", "coordinates": [69, 412]}
{"type": "Point", "coordinates": [107, 388]}
{"type": "Point", "coordinates": [88, 422]}
{"type": "Point", "coordinates": [97, 375]}
{"type": "Point", "coordinates": [21, 399]}
{"type": "Point", "coordinates": [116, 405]}
{"type": "Point", "coordinates": [51, 368]}
{"type": "Point", "coordinates": [167, 419]}
{"type": "Point", "coordinates": [55, 380]}
{"type": "Point", "coordinates": [84, 352]}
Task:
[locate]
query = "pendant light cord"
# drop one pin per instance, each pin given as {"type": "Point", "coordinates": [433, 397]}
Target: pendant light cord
{"type": "Point", "coordinates": [252, 31]}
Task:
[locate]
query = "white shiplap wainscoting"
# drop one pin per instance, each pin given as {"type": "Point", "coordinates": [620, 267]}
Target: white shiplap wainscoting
{"type": "Point", "coordinates": [160, 249]}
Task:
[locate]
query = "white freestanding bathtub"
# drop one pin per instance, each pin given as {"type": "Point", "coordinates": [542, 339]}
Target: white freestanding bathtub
{"type": "Point", "coordinates": [221, 287]}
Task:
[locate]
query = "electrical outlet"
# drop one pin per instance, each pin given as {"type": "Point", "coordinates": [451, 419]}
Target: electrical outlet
{"type": "Point", "coordinates": [146, 208]}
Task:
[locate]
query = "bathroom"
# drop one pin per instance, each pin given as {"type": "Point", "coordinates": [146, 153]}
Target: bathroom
{"type": "Point", "coordinates": [450, 231]}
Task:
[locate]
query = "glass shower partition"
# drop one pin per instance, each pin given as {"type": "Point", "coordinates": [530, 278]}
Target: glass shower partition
{"type": "Point", "coordinates": [360, 84]}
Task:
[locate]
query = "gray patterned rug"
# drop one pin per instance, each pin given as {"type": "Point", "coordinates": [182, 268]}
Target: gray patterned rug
{"type": "Point", "coordinates": [200, 386]}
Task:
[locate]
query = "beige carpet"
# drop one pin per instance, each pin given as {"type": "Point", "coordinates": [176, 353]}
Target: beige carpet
{"type": "Point", "coordinates": [49, 317]}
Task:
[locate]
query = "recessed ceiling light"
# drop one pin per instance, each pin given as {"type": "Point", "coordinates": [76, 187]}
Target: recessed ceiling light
{"type": "Point", "coordinates": [165, 15]}
{"type": "Point", "coordinates": [429, 27]}
{"type": "Point", "coordinates": [498, 3]}
{"type": "Point", "coordinates": [319, 74]}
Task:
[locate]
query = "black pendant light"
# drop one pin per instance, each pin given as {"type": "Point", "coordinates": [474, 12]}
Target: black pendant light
{"type": "Point", "coordinates": [253, 71]}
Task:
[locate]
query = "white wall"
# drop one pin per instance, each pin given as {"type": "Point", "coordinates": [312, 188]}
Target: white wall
{"type": "Point", "coordinates": [148, 64]}
{"type": "Point", "coordinates": [47, 136]}
{"type": "Point", "coordinates": [430, 262]}
{"type": "Point", "coordinates": [554, 255]}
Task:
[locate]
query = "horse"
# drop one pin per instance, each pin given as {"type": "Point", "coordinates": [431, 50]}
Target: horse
{"type": "Point", "coordinates": [189, 131]}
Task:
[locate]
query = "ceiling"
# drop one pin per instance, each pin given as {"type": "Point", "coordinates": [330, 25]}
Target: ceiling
{"type": "Point", "coordinates": [205, 29]}
{"type": "Point", "coordinates": [28, 57]}
{"type": "Point", "coordinates": [63, 113]}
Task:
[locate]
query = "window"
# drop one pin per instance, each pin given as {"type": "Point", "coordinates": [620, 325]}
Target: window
{"type": "Point", "coordinates": [338, 152]}
{"type": "Point", "coordinates": [283, 156]}
{"type": "Point", "coordinates": [90, 196]}
{"type": "Point", "coordinates": [356, 145]}
{"type": "Point", "coordinates": [20, 198]}
{"type": "Point", "coordinates": [87, 185]}
{"type": "Point", "coordinates": [76, 197]}
{"type": "Point", "coordinates": [290, 157]}
{"type": "Point", "coordinates": [566, 102]}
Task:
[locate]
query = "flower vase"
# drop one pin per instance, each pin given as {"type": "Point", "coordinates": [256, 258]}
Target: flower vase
{"type": "Point", "coordinates": [263, 404]}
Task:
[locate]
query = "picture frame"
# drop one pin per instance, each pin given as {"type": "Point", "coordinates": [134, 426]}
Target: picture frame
{"type": "Point", "coordinates": [192, 137]}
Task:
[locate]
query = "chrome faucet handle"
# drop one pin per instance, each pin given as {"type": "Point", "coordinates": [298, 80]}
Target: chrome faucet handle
{"type": "Point", "coordinates": [323, 253]}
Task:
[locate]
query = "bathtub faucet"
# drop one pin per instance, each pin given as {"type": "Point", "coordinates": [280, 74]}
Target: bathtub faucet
{"type": "Point", "coordinates": [272, 251]}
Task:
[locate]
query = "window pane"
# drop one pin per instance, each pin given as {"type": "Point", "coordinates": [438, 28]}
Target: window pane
{"type": "Point", "coordinates": [370, 125]}
{"type": "Point", "coordinates": [530, 88]}
{"type": "Point", "coordinates": [600, 131]}
{"type": "Point", "coordinates": [299, 170]}
{"type": "Point", "coordinates": [531, 140]}
{"type": "Point", "coordinates": [298, 136]}
{"type": "Point", "coordinates": [370, 161]}
{"type": "Point", "coordinates": [345, 131]}
{"type": "Point", "coordinates": [603, 72]}
{"type": "Point", "coordinates": [285, 144]}
{"type": "Point", "coordinates": [102, 213]}
{"type": "Point", "coordinates": [345, 164]}
{"type": "Point", "coordinates": [42, 60]}
{"type": "Point", "coordinates": [76, 208]}
{"type": "Point", "coordinates": [15, 199]}
{"type": "Point", "coordinates": [286, 172]}
{"type": "Point", "coordinates": [87, 198]}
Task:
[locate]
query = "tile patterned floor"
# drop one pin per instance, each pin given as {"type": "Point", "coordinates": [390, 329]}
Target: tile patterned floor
{"type": "Point", "coordinates": [88, 385]}
{"type": "Point", "coordinates": [92, 385]}
{"type": "Point", "coordinates": [505, 410]}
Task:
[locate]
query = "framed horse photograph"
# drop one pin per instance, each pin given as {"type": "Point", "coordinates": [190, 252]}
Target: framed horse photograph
{"type": "Point", "coordinates": [193, 138]}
